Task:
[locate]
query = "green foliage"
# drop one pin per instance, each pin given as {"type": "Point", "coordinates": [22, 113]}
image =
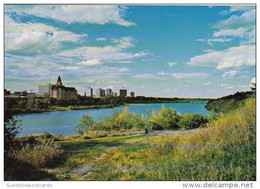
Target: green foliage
{"type": "Point", "coordinates": [212, 116]}
{"type": "Point", "coordinates": [12, 126]}
{"type": "Point", "coordinates": [230, 102]}
{"type": "Point", "coordinates": [167, 118]}
{"type": "Point", "coordinates": [85, 122]}
{"type": "Point", "coordinates": [192, 121]}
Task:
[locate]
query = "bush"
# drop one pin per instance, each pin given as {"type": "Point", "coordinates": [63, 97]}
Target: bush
{"type": "Point", "coordinates": [192, 121]}
{"type": "Point", "coordinates": [121, 120]}
{"type": "Point", "coordinates": [85, 122]}
{"type": "Point", "coordinates": [167, 118]}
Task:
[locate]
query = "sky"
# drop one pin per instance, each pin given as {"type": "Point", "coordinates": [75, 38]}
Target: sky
{"type": "Point", "coordinates": [167, 51]}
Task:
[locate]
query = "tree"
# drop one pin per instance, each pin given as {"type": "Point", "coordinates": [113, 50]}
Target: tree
{"type": "Point", "coordinates": [12, 126]}
{"type": "Point", "coordinates": [167, 118]}
{"type": "Point", "coordinates": [85, 122]}
{"type": "Point", "coordinates": [192, 121]}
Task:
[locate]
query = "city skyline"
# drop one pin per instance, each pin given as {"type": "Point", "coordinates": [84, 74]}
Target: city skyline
{"type": "Point", "coordinates": [170, 51]}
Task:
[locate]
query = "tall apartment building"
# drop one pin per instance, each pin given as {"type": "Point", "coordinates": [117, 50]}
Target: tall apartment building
{"type": "Point", "coordinates": [100, 92]}
{"type": "Point", "coordinates": [123, 92]}
{"type": "Point", "coordinates": [90, 92]}
{"type": "Point", "coordinates": [109, 92]}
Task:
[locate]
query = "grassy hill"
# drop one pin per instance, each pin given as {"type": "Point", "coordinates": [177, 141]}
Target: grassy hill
{"type": "Point", "coordinates": [227, 103]}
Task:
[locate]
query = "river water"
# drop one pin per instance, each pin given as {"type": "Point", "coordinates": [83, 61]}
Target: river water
{"type": "Point", "coordinates": [64, 122]}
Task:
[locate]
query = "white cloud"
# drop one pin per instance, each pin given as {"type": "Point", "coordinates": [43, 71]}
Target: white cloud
{"type": "Point", "coordinates": [226, 86]}
{"type": "Point", "coordinates": [123, 70]}
{"type": "Point", "coordinates": [240, 56]}
{"type": "Point", "coordinates": [208, 50]}
{"type": "Point", "coordinates": [162, 73]}
{"type": "Point", "coordinates": [231, 73]}
{"type": "Point", "coordinates": [27, 38]}
{"type": "Point", "coordinates": [94, 62]}
{"type": "Point", "coordinates": [93, 14]}
{"type": "Point", "coordinates": [120, 61]}
{"type": "Point", "coordinates": [253, 80]}
{"type": "Point", "coordinates": [236, 21]}
{"type": "Point", "coordinates": [172, 63]}
{"type": "Point", "coordinates": [241, 24]}
{"type": "Point", "coordinates": [208, 83]}
{"type": "Point", "coordinates": [189, 75]}
{"type": "Point", "coordinates": [218, 40]}
{"type": "Point", "coordinates": [231, 32]}
{"type": "Point", "coordinates": [124, 42]}
{"type": "Point", "coordinates": [146, 76]}
{"type": "Point", "coordinates": [201, 40]}
{"type": "Point", "coordinates": [241, 8]}
{"type": "Point", "coordinates": [101, 39]}
{"type": "Point", "coordinates": [106, 53]}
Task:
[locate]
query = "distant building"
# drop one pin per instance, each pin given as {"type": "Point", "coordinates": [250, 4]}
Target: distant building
{"type": "Point", "coordinates": [109, 92]}
{"type": "Point", "coordinates": [123, 92]}
{"type": "Point", "coordinates": [31, 95]}
{"type": "Point", "coordinates": [59, 91]}
{"type": "Point", "coordinates": [132, 94]}
{"type": "Point", "coordinates": [100, 92]}
{"type": "Point", "coordinates": [6, 92]}
{"type": "Point", "coordinates": [20, 93]}
{"type": "Point", "coordinates": [44, 90]}
{"type": "Point", "coordinates": [91, 92]}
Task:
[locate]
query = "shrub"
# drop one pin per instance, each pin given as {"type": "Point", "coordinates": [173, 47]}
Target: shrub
{"type": "Point", "coordinates": [192, 121]}
{"type": "Point", "coordinates": [85, 122]}
{"type": "Point", "coordinates": [121, 120]}
{"type": "Point", "coordinates": [167, 118]}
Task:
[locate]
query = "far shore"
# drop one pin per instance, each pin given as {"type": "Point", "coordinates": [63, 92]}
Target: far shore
{"type": "Point", "coordinates": [87, 107]}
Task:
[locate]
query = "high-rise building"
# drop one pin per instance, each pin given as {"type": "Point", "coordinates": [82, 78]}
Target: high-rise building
{"type": "Point", "coordinates": [109, 92]}
{"type": "Point", "coordinates": [90, 92]}
{"type": "Point", "coordinates": [132, 94]}
{"type": "Point", "coordinates": [123, 92]}
{"type": "Point", "coordinates": [44, 90]}
{"type": "Point", "coordinates": [100, 92]}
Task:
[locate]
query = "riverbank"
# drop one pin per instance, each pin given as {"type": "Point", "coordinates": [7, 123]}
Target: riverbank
{"type": "Point", "coordinates": [224, 150]}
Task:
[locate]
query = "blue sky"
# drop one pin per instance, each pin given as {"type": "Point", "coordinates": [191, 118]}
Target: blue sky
{"type": "Point", "coordinates": [183, 51]}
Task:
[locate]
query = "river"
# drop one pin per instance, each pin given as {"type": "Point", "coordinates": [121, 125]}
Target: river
{"type": "Point", "coordinates": [64, 122]}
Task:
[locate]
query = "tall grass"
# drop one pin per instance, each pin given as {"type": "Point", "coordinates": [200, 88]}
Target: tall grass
{"type": "Point", "coordinates": [43, 154]}
{"type": "Point", "coordinates": [224, 150]}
